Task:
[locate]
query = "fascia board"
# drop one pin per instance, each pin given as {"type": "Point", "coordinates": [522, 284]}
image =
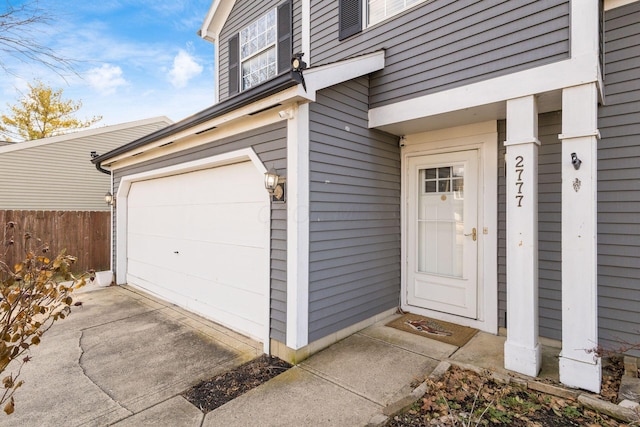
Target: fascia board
{"type": "Point", "coordinates": [324, 76]}
{"type": "Point", "coordinates": [315, 78]}
{"type": "Point", "coordinates": [555, 76]}
{"type": "Point", "coordinates": [287, 96]}
{"type": "Point", "coordinates": [216, 18]}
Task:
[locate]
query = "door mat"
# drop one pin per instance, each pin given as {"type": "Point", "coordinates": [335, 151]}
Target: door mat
{"type": "Point", "coordinates": [446, 332]}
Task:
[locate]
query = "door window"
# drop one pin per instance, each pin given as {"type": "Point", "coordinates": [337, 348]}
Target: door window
{"type": "Point", "coordinates": [441, 220]}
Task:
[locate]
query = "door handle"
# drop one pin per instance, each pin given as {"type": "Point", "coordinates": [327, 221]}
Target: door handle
{"type": "Point", "coordinates": [473, 234]}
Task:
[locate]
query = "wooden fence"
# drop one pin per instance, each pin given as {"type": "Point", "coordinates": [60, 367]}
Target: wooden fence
{"type": "Point", "coordinates": [84, 234]}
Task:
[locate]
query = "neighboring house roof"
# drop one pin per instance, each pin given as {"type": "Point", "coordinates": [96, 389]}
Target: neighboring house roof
{"type": "Point", "coordinates": [56, 173]}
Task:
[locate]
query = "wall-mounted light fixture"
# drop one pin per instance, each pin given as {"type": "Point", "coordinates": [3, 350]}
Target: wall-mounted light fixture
{"type": "Point", "coordinates": [575, 161]}
{"type": "Point", "coordinates": [297, 65]}
{"type": "Point", "coordinates": [275, 185]}
{"type": "Point", "coordinates": [109, 199]}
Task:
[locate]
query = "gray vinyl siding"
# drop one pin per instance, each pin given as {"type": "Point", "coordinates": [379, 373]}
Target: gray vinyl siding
{"type": "Point", "coordinates": [549, 226]}
{"type": "Point", "coordinates": [619, 182]}
{"type": "Point", "coordinates": [270, 144]}
{"type": "Point", "coordinates": [56, 173]}
{"type": "Point", "coordinates": [245, 12]}
{"type": "Point", "coordinates": [354, 254]}
{"type": "Point", "coordinates": [443, 44]}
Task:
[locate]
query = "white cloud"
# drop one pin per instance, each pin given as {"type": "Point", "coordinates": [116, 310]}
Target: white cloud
{"type": "Point", "coordinates": [184, 69]}
{"type": "Point", "coordinates": [106, 79]}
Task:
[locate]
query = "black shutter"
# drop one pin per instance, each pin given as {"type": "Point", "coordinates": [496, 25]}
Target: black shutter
{"type": "Point", "coordinates": [350, 21]}
{"type": "Point", "coordinates": [285, 43]}
{"type": "Point", "coordinates": [234, 65]}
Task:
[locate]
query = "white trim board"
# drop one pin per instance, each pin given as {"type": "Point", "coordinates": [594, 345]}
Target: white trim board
{"type": "Point", "coordinates": [533, 81]}
{"type": "Point", "coordinates": [217, 16]}
{"type": "Point", "coordinates": [582, 67]}
{"type": "Point", "coordinates": [205, 163]}
{"type": "Point", "coordinates": [244, 118]}
{"type": "Point", "coordinates": [298, 227]}
{"type": "Point", "coordinates": [305, 29]}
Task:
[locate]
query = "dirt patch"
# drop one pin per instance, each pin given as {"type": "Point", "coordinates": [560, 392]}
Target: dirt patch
{"type": "Point", "coordinates": [463, 397]}
{"type": "Point", "coordinates": [215, 392]}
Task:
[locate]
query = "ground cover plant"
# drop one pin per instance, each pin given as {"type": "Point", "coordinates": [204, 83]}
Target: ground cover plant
{"type": "Point", "coordinates": [466, 398]}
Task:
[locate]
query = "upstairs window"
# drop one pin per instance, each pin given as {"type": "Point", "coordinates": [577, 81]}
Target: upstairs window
{"type": "Point", "coordinates": [379, 10]}
{"type": "Point", "coordinates": [353, 13]}
{"type": "Point", "coordinates": [258, 51]}
{"type": "Point", "coordinates": [261, 50]}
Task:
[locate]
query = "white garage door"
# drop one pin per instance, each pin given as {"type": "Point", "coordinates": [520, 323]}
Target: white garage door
{"type": "Point", "coordinates": [201, 240]}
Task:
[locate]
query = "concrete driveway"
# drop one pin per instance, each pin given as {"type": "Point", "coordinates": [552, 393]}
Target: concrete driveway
{"type": "Point", "coordinates": [117, 357]}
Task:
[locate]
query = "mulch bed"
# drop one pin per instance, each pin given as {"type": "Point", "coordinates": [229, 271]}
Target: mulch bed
{"type": "Point", "coordinates": [215, 392]}
{"type": "Point", "coordinates": [466, 398]}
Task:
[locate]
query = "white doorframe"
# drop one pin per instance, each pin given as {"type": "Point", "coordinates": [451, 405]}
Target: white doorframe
{"type": "Point", "coordinates": [245, 154]}
{"type": "Point", "coordinates": [484, 138]}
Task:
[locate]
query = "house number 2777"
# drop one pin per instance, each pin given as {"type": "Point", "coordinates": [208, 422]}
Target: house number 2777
{"type": "Point", "coordinates": [519, 181]}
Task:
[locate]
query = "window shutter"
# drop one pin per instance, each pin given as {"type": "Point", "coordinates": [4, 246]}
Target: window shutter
{"type": "Point", "coordinates": [350, 21]}
{"type": "Point", "coordinates": [234, 65]}
{"type": "Point", "coordinates": [285, 30]}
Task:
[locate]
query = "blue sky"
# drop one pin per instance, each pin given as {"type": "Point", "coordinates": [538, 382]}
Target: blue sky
{"type": "Point", "coordinates": [135, 58]}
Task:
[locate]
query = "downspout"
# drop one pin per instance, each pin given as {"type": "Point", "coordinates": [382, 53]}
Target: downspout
{"type": "Point", "coordinates": [94, 156]}
{"type": "Point", "coordinates": [101, 169]}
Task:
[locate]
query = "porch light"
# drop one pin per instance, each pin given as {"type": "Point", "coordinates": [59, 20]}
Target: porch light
{"type": "Point", "coordinates": [108, 198]}
{"type": "Point", "coordinates": [274, 184]}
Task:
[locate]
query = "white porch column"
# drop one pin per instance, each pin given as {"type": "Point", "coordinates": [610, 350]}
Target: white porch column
{"type": "Point", "coordinates": [521, 350]}
{"type": "Point", "coordinates": [298, 227]}
{"type": "Point", "coordinates": [579, 239]}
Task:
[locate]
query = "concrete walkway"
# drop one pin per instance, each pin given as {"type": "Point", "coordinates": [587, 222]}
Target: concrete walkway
{"type": "Point", "coordinates": [358, 380]}
{"type": "Point", "coordinates": [119, 356]}
{"type": "Point", "coordinates": [124, 358]}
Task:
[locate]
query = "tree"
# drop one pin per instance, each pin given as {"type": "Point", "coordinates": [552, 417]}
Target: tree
{"type": "Point", "coordinates": [17, 24]}
{"type": "Point", "coordinates": [42, 113]}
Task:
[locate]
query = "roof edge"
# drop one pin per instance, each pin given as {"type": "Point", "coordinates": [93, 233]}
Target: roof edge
{"type": "Point", "coordinates": [22, 145]}
{"type": "Point", "coordinates": [216, 17]}
{"type": "Point", "coordinates": [275, 85]}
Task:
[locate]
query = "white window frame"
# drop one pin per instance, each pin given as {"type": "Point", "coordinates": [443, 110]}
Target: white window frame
{"type": "Point", "coordinates": [253, 55]}
{"type": "Point", "coordinates": [365, 11]}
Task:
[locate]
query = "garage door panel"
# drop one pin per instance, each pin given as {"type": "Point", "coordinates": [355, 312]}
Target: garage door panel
{"type": "Point", "coordinates": [218, 185]}
{"type": "Point", "coordinates": [221, 264]}
{"type": "Point", "coordinates": [230, 315]}
{"type": "Point", "coordinates": [201, 240]}
{"type": "Point", "coordinates": [242, 224]}
{"type": "Point", "coordinates": [223, 297]}
{"type": "Point", "coordinates": [152, 250]}
{"type": "Point", "coordinates": [218, 262]}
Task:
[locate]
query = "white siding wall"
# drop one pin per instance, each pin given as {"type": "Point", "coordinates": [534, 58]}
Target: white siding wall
{"type": "Point", "coordinates": [57, 173]}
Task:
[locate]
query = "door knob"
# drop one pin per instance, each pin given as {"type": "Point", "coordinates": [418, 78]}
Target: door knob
{"type": "Point", "coordinates": [473, 234]}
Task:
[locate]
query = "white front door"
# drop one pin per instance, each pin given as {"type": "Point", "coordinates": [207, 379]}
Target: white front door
{"type": "Point", "coordinates": [442, 220]}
